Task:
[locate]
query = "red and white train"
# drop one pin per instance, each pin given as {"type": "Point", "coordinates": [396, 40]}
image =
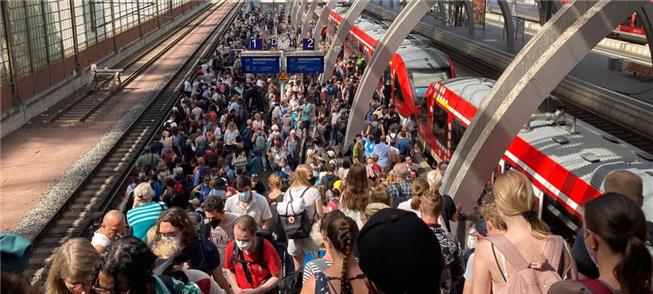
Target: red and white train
{"type": "Point", "coordinates": [566, 160]}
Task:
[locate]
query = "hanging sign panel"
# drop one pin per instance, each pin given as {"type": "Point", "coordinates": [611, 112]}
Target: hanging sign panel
{"type": "Point", "coordinates": [305, 64]}
{"type": "Point", "coordinates": [260, 64]}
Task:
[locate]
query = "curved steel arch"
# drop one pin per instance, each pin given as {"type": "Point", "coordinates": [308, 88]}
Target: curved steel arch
{"type": "Point", "coordinates": [507, 23]}
{"type": "Point", "coordinates": [352, 14]}
{"type": "Point", "coordinates": [298, 14]}
{"type": "Point", "coordinates": [306, 21]}
{"type": "Point", "coordinates": [645, 15]}
{"type": "Point", "coordinates": [565, 40]}
{"type": "Point", "coordinates": [324, 16]}
{"type": "Point", "coordinates": [396, 33]}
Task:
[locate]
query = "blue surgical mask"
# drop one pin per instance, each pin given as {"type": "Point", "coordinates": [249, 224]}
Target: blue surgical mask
{"type": "Point", "coordinates": [245, 196]}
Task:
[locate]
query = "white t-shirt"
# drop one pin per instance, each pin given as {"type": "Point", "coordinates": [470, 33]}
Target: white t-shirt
{"type": "Point", "coordinates": [406, 206]}
{"type": "Point", "coordinates": [258, 208]}
{"type": "Point", "coordinates": [100, 239]}
{"type": "Point", "coordinates": [311, 196]}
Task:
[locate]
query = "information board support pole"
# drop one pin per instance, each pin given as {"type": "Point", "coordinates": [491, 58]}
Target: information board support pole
{"type": "Point", "coordinates": [282, 83]}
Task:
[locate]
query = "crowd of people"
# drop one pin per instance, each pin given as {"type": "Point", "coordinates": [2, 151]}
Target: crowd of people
{"type": "Point", "coordinates": [249, 190]}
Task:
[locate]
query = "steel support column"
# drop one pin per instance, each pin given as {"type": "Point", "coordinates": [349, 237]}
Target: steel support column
{"type": "Point", "coordinates": [4, 10]}
{"type": "Point", "coordinates": [298, 14]}
{"type": "Point", "coordinates": [507, 23]}
{"type": "Point", "coordinates": [306, 21]}
{"type": "Point", "coordinates": [324, 16]}
{"type": "Point", "coordinates": [645, 16]}
{"type": "Point", "coordinates": [332, 55]}
{"type": "Point", "coordinates": [469, 10]}
{"type": "Point", "coordinates": [398, 31]}
{"type": "Point", "coordinates": [443, 12]}
{"type": "Point", "coordinates": [538, 68]}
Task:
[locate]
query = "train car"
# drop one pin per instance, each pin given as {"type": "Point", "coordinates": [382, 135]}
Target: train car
{"type": "Point", "coordinates": [411, 69]}
{"type": "Point", "coordinates": [566, 160]}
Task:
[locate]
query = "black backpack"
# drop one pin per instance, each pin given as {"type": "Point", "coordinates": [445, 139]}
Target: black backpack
{"type": "Point", "coordinates": [238, 257]}
{"type": "Point", "coordinates": [297, 224]}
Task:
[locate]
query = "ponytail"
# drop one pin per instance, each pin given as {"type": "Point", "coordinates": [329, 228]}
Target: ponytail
{"type": "Point", "coordinates": [346, 240]}
{"type": "Point", "coordinates": [634, 270]}
{"type": "Point", "coordinates": [622, 225]}
{"type": "Point", "coordinates": [536, 226]}
{"type": "Point", "coordinates": [342, 231]}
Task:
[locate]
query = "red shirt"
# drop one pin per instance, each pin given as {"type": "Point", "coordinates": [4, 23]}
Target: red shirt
{"type": "Point", "coordinates": [258, 273]}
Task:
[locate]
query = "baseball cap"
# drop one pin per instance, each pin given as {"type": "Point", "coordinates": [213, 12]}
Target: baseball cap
{"type": "Point", "coordinates": [399, 253]}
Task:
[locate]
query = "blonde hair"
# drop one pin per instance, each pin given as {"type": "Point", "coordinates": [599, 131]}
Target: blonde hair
{"type": "Point", "coordinates": [489, 212]}
{"type": "Point", "coordinates": [420, 188]}
{"type": "Point", "coordinates": [514, 196]}
{"type": "Point", "coordinates": [164, 248]}
{"type": "Point", "coordinates": [76, 260]}
{"type": "Point", "coordinates": [299, 177]}
{"type": "Point", "coordinates": [431, 202]}
{"type": "Point", "coordinates": [434, 178]}
{"type": "Point", "coordinates": [274, 181]}
{"type": "Point", "coordinates": [144, 190]}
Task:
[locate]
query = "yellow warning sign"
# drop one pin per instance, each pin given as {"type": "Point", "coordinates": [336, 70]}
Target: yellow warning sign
{"type": "Point", "coordinates": [283, 76]}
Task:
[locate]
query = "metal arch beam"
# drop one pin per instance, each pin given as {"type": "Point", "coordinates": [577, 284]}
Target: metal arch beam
{"type": "Point", "coordinates": [443, 12]}
{"type": "Point", "coordinates": [545, 60]}
{"type": "Point", "coordinates": [398, 31]}
{"type": "Point", "coordinates": [470, 15]}
{"type": "Point", "coordinates": [645, 16]}
{"type": "Point", "coordinates": [292, 10]}
{"type": "Point", "coordinates": [545, 9]}
{"type": "Point", "coordinates": [507, 23]}
{"type": "Point", "coordinates": [299, 13]}
{"type": "Point", "coordinates": [352, 14]}
{"type": "Point", "coordinates": [306, 21]}
{"type": "Point", "coordinates": [324, 16]}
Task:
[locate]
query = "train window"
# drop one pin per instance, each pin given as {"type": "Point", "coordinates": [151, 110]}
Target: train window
{"type": "Point", "coordinates": [419, 95]}
{"type": "Point", "coordinates": [422, 111]}
{"type": "Point", "coordinates": [440, 124]}
{"type": "Point", "coordinates": [398, 93]}
{"type": "Point", "coordinates": [457, 131]}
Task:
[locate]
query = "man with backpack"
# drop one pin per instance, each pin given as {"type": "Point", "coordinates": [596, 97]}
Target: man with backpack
{"type": "Point", "coordinates": [251, 261]}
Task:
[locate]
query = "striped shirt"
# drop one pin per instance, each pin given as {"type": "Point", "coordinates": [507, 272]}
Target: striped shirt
{"type": "Point", "coordinates": [142, 218]}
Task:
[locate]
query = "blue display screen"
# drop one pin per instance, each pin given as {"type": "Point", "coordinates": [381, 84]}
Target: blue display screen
{"type": "Point", "coordinates": [260, 64]}
{"type": "Point", "coordinates": [305, 64]}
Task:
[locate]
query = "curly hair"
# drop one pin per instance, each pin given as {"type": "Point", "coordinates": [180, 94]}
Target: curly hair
{"type": "Point", "coordinates": [178, 218]}
{"type": "Point", "coordinates": [131, 258]}
{"type": "Point", "coordinates": [342, 232]}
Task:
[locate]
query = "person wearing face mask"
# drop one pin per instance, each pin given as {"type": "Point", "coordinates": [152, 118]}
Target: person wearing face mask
{"type": "Point", "coordinates": [175, 225]}
{"type": "Point", "coordinates": [248, 202]}
{"type": "Point", "coordinates": [112, 228]}
{"type": "Point", "coordinates": [615, 234]}
{"type": "Point", "coordinates": [220, 221]}
{"type": "Point", "coordinates": [252, 263]}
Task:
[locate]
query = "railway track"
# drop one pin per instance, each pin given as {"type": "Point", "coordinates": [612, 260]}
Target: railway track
{"type": "Point", "coordinates": [95, 101]}
{"type": "Point", "coordinates": [100, 189]}
{"type": "Point", "coordinates": [570, 89]}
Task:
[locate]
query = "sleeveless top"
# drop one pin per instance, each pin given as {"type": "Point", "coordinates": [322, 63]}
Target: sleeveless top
{"type": "Point", "coordinates": [323, 284]}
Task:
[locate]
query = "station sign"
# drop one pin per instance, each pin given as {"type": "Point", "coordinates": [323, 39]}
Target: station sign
{"type": "Point", "coordinates": [261, 62]}
{"type": "Point", "coordinates": [308, 44]}
{"type": "Point", "coordinates": [256, 44]}
{"type": "Point", "coordinates": [273, 42]}
{"type": "Point", "coordinates": [305, 64]}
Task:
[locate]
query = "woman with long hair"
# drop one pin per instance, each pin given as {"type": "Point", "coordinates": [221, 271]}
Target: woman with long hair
{"type": "Point", "coordinates": [301, 188]}
{"type": "Point", "coordinates": [344, 276]}
{"type": "Point", "coordinates": [355, 194]}
{"type": "Point", "coordinates": [615, 234]}
{"type": "Point", "coordinates": [231, 135]}
{"type": "Point", "coordinates": [72, 268]}
{"type": "Point", "coordinates": [526, 234]}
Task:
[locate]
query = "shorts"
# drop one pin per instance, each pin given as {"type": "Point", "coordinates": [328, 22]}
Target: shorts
{"type": "Point", "coordinates": [301, 246]}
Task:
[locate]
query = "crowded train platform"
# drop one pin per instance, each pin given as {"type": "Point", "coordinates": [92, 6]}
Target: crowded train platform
{"type": "Point", "coordinates": [249, 185]}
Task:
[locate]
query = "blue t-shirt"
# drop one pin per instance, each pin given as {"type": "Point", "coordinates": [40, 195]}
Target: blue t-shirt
{"type": "Point", "coordinates": [382, 150]}
{"type": "Point", "coordinates": [403, 144]}
{"type": "Point", "coordinates": [142, 218]}
{"type": "Point", "coordinates": [203, 255]}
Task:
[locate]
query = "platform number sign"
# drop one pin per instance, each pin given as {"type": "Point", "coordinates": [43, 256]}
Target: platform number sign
{"type": "Point", "coordinates": [273, 42]}
{"type": "Point", "coordinates": [308, 44]}
{"type": "Point", "coordinates": [256, 44]}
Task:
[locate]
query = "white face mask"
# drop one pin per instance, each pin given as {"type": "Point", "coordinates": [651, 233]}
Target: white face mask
{"type": "Point", "coordinates": [243, 244]}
